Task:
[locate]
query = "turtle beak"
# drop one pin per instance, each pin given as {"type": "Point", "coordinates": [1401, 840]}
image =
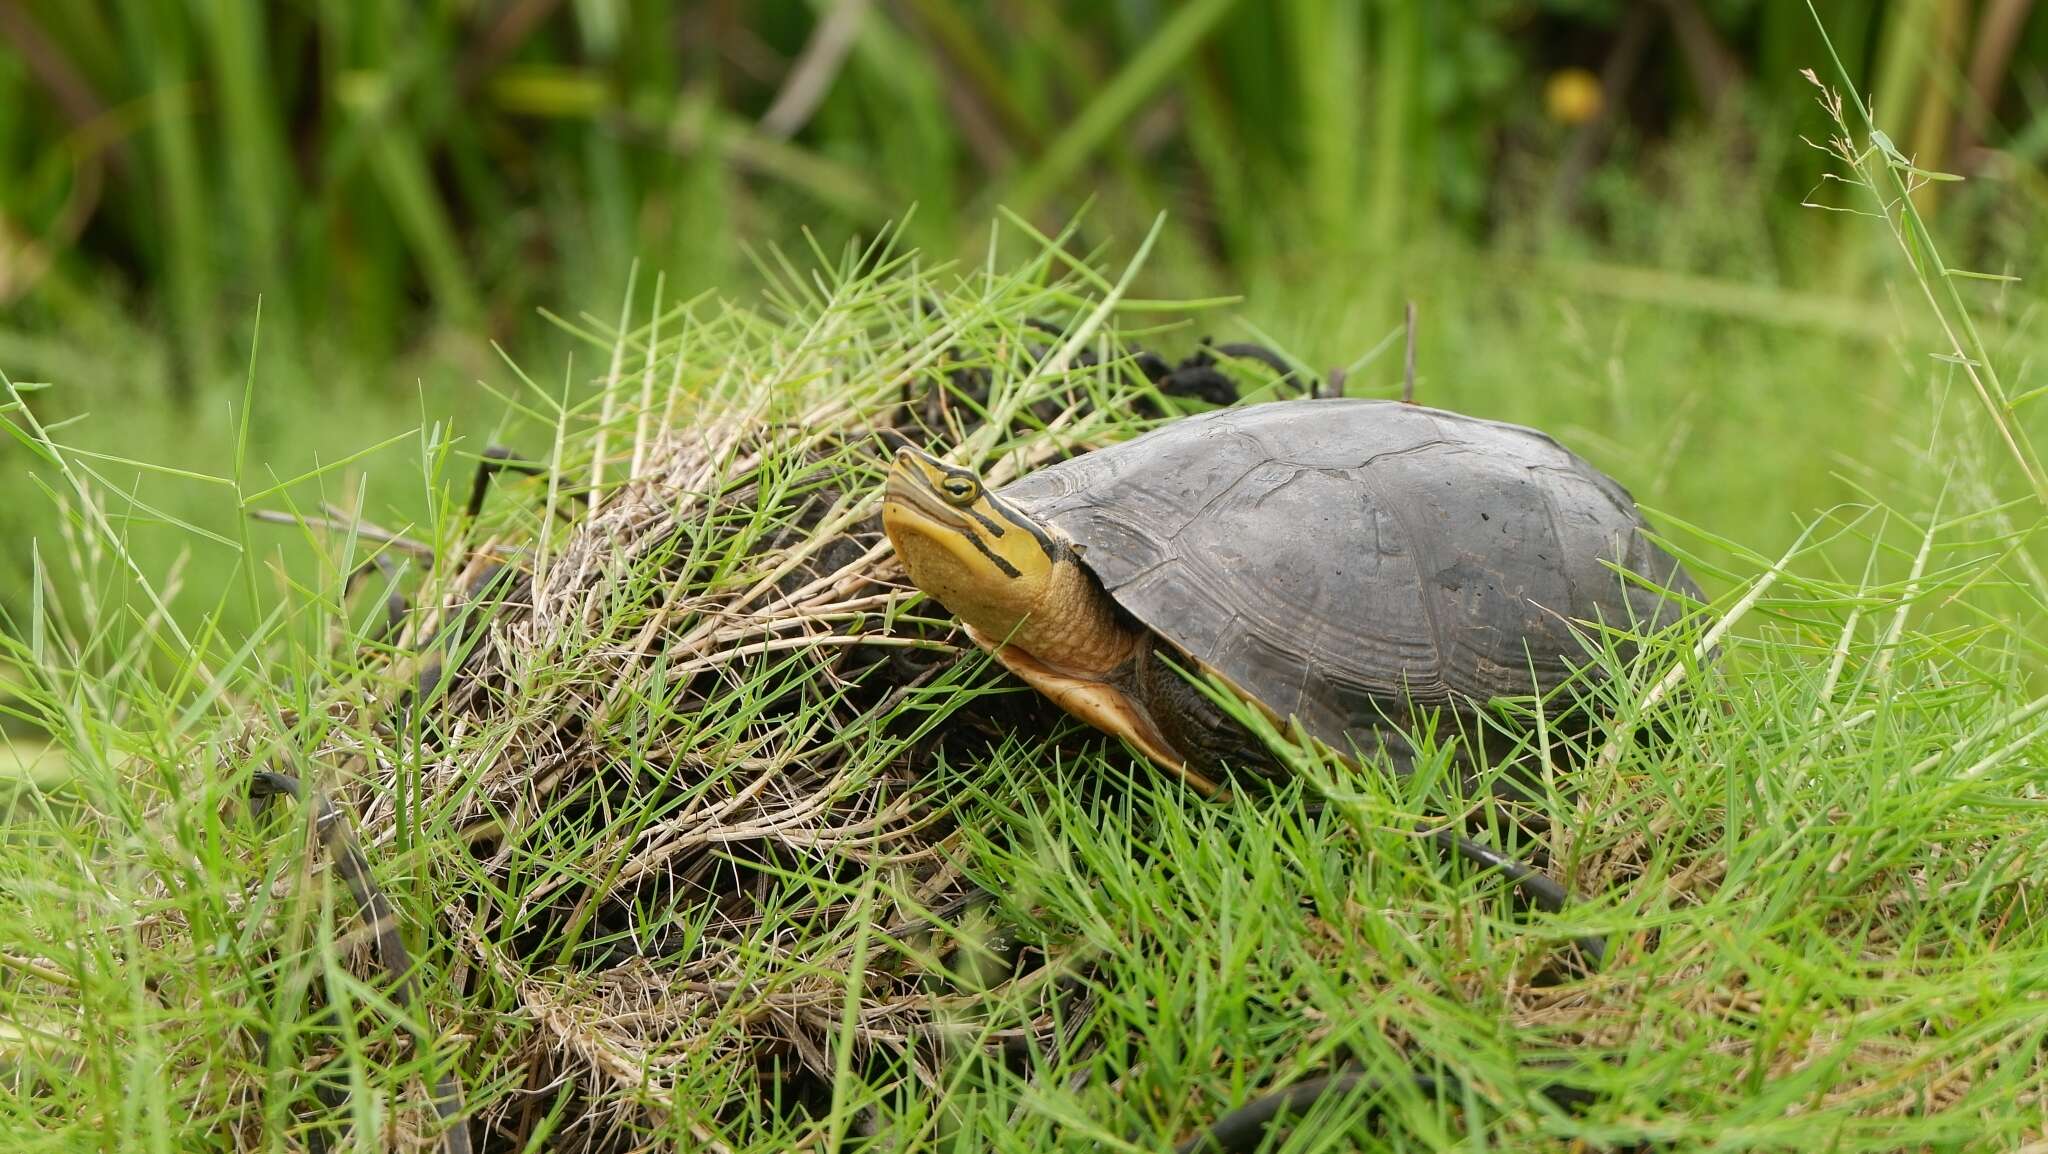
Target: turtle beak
{"type": "Point", "coordinates": [912, 486]}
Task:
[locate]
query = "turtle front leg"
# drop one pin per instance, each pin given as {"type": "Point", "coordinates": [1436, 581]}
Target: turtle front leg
{"type": "Point", "coordinates": [1202, 736]}
{"type": "Point", "coordinates": [1104, 703]}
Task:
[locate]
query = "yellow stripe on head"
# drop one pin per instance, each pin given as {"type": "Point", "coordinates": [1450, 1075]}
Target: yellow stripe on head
{"type": "Point", "coordinates": [981, 557]}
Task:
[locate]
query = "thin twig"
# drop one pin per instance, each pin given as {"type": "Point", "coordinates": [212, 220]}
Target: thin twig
{"type": "Point", "coordinates": [1408, 357]}
{"type": "Point", "coordinates": [816, 67]}
{"type": "Point", "coordinates": [337, 525]}
{"type": "Point", "coordinates": [609, 407]}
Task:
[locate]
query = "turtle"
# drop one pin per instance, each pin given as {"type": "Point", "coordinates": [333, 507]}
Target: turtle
{"type": "Point", "coordinates": [1352, 565]}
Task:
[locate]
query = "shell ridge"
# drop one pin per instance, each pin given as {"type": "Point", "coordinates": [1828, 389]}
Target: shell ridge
{"type": "Point", "coordinates": [1559, 543]}
{"type": "Point", "coordinates": [1390, 454]}
{"type": "Point", "coordinates": [1422, 572]}
{"type": "Point", "coordinates": [1225, 490]}
{"type": "Point", "coordinates": [1576, 469]}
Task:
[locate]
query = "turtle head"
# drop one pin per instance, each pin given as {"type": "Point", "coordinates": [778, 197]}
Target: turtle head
{"type": "Point", "coordinates": [983, 558]}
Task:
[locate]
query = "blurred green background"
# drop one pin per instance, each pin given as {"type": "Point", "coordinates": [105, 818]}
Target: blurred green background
{"type": "Point", "coordinates": [1597, 207]}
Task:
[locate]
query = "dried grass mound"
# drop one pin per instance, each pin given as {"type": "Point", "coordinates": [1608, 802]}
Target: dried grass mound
{"type": "Point", "coordinates": [700, 738]}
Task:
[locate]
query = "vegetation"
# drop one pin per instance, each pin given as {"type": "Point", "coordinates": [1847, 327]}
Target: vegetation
{"type": "Point", "coordinates": [1820, 888]}
{"type": "Point", "coordinates": [378, 172]}
{"type": "Point", "coordinates": [399, 183]}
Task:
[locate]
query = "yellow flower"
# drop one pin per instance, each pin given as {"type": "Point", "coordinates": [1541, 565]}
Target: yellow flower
{"type": "Point", "coordinates": [1572, 96]}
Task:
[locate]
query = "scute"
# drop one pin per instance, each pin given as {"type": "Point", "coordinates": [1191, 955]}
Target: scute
{"type": "Point", "coordinates": [1338, 558]}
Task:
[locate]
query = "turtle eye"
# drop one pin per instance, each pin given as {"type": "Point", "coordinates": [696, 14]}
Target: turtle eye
{"type": "Point", "coordinates": [960, 490]}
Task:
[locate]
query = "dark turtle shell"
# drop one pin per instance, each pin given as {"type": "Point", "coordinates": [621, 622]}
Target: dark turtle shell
{"type": "Point", "coordinates": [1340, 558]}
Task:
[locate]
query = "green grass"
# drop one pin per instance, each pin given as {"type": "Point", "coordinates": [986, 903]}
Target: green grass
{"type": "Point", "coordinates": [1821, 892]}
{"type": "Point", "coordinates": [1666, 380]}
